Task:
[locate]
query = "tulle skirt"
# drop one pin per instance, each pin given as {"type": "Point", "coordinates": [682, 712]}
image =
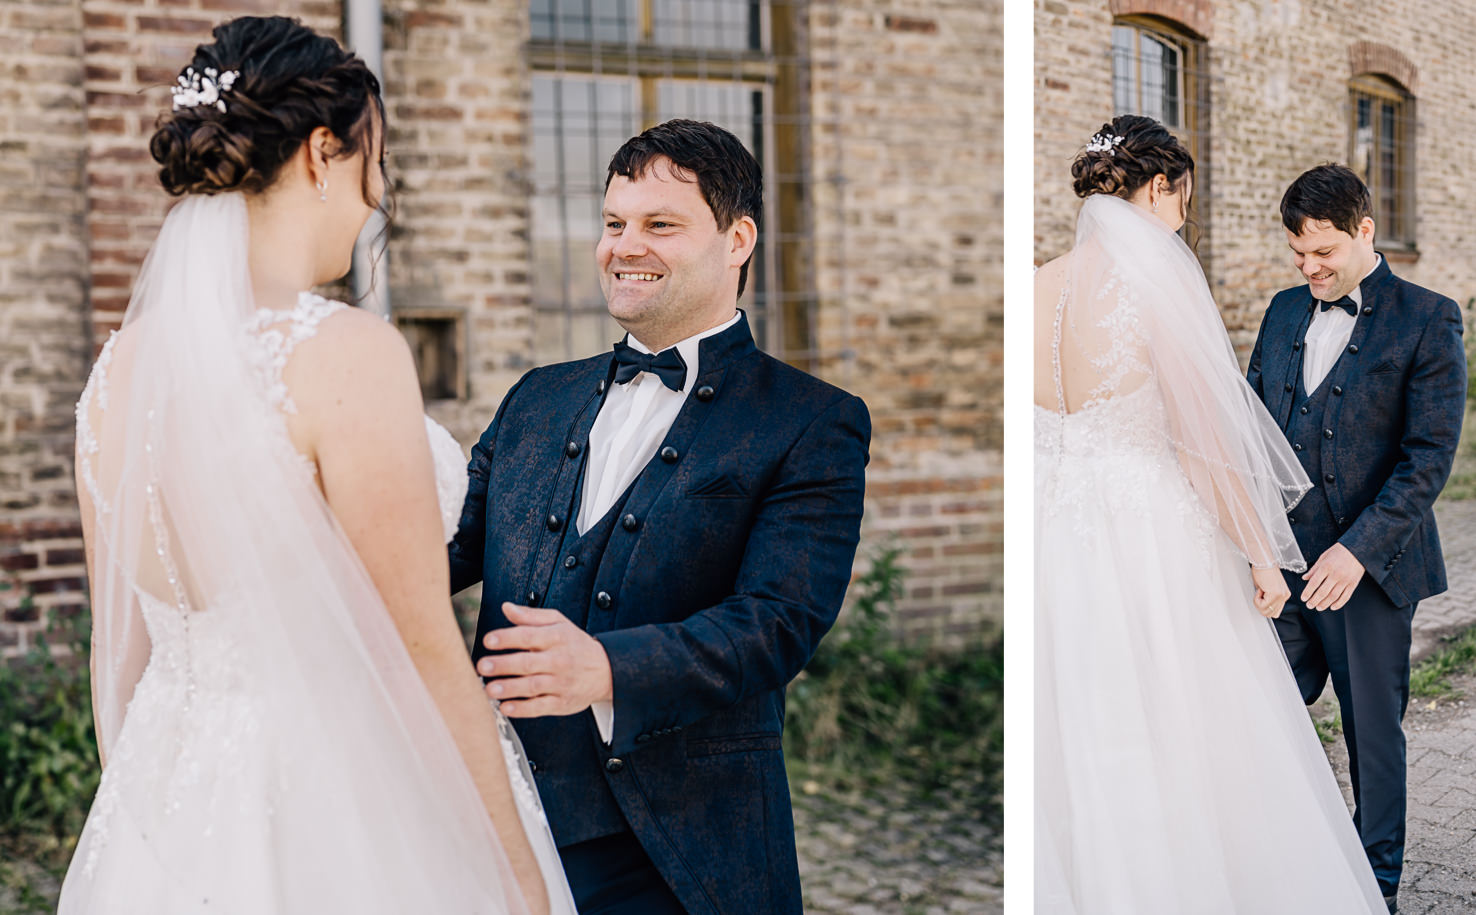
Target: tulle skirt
{"type": "Point", "coordinates": [1177, 770]}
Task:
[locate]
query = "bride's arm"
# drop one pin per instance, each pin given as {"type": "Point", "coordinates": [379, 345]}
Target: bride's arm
{"type": "Point", "coordinates": [362, 407]}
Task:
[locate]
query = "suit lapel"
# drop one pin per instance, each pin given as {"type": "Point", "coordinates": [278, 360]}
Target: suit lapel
{"type": "Point", "coordinates": [1291, 350]}
{"type": "Point", "coordinates": [1349, 369]}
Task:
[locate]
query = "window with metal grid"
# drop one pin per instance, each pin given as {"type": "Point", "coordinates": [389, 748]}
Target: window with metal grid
{"type": "Point", "coordinates": [1161, 71]}
{"type": "Point", "coordinates": [1381, 133]}
{"type": "Point", "coordinates": [603, 72]}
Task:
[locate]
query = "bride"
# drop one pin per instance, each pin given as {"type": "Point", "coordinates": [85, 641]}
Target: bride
{"type": "Point", "coordinates": [1176, 768]}
{"type": "Point", "coordinates": [286, 711]}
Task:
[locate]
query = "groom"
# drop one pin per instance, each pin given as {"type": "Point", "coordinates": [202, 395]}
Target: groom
{"type": "Point", "coordinates": [664, 533]}
{"type": "Point", "coordinates": [1366, 374]}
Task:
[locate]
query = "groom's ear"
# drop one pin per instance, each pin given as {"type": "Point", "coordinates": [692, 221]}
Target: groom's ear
{"type": "Point", "coordinates": [1366, 228]}
{"type": "Point", "coordinates": [744, 237]}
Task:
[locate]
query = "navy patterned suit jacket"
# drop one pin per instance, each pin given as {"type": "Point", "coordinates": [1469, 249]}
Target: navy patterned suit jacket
{"type": "Point", "coordinates": [1399, 394]}
{"type": "Point", "coordinates": [748, 527]}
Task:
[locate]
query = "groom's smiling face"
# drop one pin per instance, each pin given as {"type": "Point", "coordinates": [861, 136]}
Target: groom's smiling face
{"type": "Point", "coordinates": [665, 267]}
{"type": "Point", "coordinates": [1332, 261]}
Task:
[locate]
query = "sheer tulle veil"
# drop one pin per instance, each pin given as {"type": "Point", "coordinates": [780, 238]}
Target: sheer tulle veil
{"type": "Point", "coordinates": [203, 504]}
{"type": "Point", "coordinates": [1231, 449]}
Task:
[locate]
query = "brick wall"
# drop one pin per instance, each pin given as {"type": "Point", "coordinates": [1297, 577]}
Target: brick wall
{"type": "Point", "coordinates": [1280, 75]}
{"type": "Point", "coordinates": [43, 310]}
{"type": "Point", "coordinates": [908, 181]}
{"type": "Point", "coordinates": [458, 93]}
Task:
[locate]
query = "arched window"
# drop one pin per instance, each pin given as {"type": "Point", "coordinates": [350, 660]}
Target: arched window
{"type": "Point", "coordinates": [1159, 70]}
{"type": "Point", "coordinates": [1381, 135]}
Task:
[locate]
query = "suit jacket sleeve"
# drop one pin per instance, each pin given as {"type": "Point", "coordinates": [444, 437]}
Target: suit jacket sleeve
{"type": "Point", "coordinates": [466, 548]}
{"type": "Point", "coordinates": [789, 588]}
{"type": "Point", "coordinates": [1253, 370]}
{"type": "Point", "coordinates": [1434, 403]}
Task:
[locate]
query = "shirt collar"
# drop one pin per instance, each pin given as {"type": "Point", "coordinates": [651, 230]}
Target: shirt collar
{"type": "Point", "coordinates": [688, 348]}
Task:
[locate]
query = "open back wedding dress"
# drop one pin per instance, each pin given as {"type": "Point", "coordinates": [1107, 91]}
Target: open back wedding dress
{"type": "Point", "coordinates": [1176, 767]}
{"type": "Point", "coordinates": [270, 747]}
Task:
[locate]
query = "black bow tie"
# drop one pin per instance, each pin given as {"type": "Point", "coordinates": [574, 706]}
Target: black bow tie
{"type": "Point", "coordinates": [1346, 303]}
{"type": "Point", "coordinates": [668, 365]}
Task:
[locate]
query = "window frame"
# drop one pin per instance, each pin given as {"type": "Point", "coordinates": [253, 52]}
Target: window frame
{"type": "Point", "coordinates": [1195, 106]}
{"type": "Point", "coordinates": [1397, 232]}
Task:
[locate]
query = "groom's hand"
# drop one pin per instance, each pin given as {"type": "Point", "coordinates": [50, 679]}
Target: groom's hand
{"type": "Point", "coordinates": [1332, 578]}
{"type": "Point", "coordinates": [552, 666]}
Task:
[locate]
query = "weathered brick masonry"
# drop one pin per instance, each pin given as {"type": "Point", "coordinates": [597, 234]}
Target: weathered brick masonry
{"type": "Point", "coordinates": [1279, 74]}
{"type": "Point", "coordinates": [905, 176]}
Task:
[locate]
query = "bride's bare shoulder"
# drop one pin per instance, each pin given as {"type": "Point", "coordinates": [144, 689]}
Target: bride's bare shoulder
{"type": "Point", "coordinates": [353, 354]}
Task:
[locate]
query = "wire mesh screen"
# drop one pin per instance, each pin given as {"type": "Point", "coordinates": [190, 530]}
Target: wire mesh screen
{"type": "Point", "coordinates": [1381, 132]}
{"type": "Point", "coordinates": [604, 71]}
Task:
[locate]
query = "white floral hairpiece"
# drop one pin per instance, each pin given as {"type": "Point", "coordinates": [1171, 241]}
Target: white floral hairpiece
{"type": "Point", "coordinates": [1104, 142]}
{"type": "Point", "coordinates": [195, 89]}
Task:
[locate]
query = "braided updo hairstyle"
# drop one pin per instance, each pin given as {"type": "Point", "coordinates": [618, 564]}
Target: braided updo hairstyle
{"type": "Point", "coordinates": [292, 80]}
{"type": "Point", "coordinates": [1146, 149]}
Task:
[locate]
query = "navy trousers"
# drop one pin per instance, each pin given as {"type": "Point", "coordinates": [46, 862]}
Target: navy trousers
{"type": "Point", "coordinates": [612, 875]}
{"type": "Point", "coordinates": [1364, 649]}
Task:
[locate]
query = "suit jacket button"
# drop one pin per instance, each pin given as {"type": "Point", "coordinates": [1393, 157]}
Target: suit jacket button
{"type": "Point", "coordinates": [1303, 411]}
{"type": "Point", "coordinates": [705, 393]}
{"type": "Point", "coordinates": [533, 598]}
{"type": "Point", "coordinates": [600, 388]}
{"type": "Point", "coordinates": [1367, 310]}
{"type": "Point", "coordinates": [1329, 478]}
{"type": "Point", "coordinates": [614, 764]}
{"type": "Point", "coordinates": [670, 454]}
{"type": "Point", "coordinates": [603, 600]}
{"type": "Point", "coordinates": [1296, 346]}
{"type": "Point", "coordinates": [571, 561]}
{"type": "Point", "coordinates": [1337, 391]}
{"type": "Point", "coordinates": [1291, 520]}
{"type": "Point", "coordinates": [629, 522]}
{"type": "Point", "coordinates": [1288, 387]}
{"type": "Point", "coordinates": [1353, 348]}
{"type": "Point", "coordinates": [1296, 446]}
{"type": "Point", "coordinates": [1342, 519]}
{"type": "Point", "coordinates": [532, 766]}
{"type": "Point", "coordinates": [554, 522]}
{"type": "Point", "coordinates": [1327, 433]}
{"type": "Point", "coordinates": [643, 738]}
{"type": "Point", "coordinates": [572, 449]}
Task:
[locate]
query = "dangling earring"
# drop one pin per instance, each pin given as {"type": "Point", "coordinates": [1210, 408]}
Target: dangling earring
{"type": "Point", "coordinates": [323, 191]}
{"type": "Point", "coordinates": [1155, 205]}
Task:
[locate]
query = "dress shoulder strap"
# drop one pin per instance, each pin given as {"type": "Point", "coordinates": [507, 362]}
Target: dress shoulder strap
{"type": "Point", "coordinates": [277, 333]}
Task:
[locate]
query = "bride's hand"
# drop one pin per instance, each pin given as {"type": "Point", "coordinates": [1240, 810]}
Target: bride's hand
{"type": "Point", "coordinates": [1271, 591]}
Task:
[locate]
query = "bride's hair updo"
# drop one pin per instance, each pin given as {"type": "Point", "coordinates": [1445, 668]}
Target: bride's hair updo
{"type": "Point", "coordinates": [1125, 155]}
{"type": "Point", "coordinates": [291, 80]}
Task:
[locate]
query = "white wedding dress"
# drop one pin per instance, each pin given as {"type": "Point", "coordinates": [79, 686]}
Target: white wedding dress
{"type": "Point", "coordinates": [1176, 767]}
{"type": "Point", "coordinates": [278, 753]}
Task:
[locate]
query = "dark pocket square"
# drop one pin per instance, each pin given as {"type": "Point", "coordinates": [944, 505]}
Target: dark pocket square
{"type": "Point", "coordinates": [1386, 367]}
{"type": "Point", "coordinates": [723, 487]}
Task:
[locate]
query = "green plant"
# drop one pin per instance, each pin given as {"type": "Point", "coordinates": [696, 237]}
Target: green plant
{"type": "Point", "coordinates": [1430, 679]}
{"type": "Point", "coordinates": [48, 751]}
{"type": "Point", "coordinates": [871, 708]}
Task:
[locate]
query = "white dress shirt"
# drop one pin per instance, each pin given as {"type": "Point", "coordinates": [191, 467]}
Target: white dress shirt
{"type": "Point", "coordinates": [629, 428]}
{"type": "Point", "coordinates": [1328, 336]}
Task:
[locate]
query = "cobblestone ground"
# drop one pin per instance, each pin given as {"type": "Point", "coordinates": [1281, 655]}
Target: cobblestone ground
{"type": "Point", "coordinates": [1440, 845]}
{"type": "Point", "coordinates": [880, 853]}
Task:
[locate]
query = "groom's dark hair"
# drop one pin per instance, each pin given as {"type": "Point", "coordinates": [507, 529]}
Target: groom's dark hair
{"type": "Point", "coordinates": [727, 174]}
{"type": "Point", "coordinates": [1331, 192]}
